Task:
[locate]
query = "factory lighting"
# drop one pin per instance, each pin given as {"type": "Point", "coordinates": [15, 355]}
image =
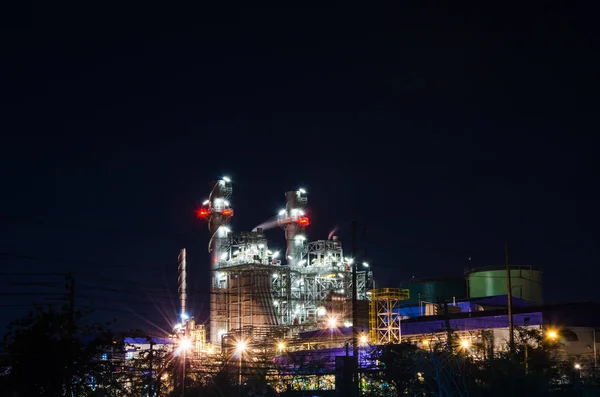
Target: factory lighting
{"type": "Point", "coordinates": [275, 254]}
{"type": "Point", "coordinates": [365, 264]}
{"type": "Point", "coordinates": [240, 346]}
{"type": "Point", "coordinates": [281, 212]}
{"type": "Point", "coordinates": [184, 316]}
{"type": "Point", "coordinates": [226, 202]}
{"type": "Point", "coordinates": [224, 256]}
{"type": "Point", "coordinates": [299, 237]}
{"type": "Point", "coordinates": [321, 311]}
{"type": "Point", "coordinates": [577, 366]}
{"type": "Point", "coordinates": [226, 179]}
{"type": "Point", "coordinates": [185, 344]}
{"type": "Point", "coordinates": [363, 339]}
{"type": "Point", "coordinates": [347, 324]}
{"type": "Point", "coordinates": [349, 261]}
{"type": "Point", "coordinates": [261, 246]}
{"type": "Point", "coordinates": [302, 191]}
{"type": "Point", "coordinates": [178, 326]}
{"type": "Point", "coordinates": [205, 202]}
{"type": "Point", "coordinates": [302, 262]}
{"type": "Point", "coordinates": [465, 344]}
{"type": "Point", "coordinates": [201, 212]}
{"type": "Point", "coordinates": [226, 229]}
{"type": "Point", "coordinates": [281, 346]}
{"type": "Point", "coordinates": [552, 334]}
{"type": "Point", "coordinates": [332, 321]}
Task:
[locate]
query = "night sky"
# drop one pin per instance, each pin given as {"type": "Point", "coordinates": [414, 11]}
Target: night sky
{"type": "Point", "coordinates": [445, 130]}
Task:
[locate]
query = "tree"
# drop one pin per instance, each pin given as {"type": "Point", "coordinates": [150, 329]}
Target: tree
{"type": "Point", "coordinates": [54, 351]}
{"type": "Point", "coordinates": [404, 367]}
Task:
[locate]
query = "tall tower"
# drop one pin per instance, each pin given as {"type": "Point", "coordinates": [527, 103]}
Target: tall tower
{"type": "Point", "coordinates": [217, 211]}
{"type": "Point", "coordinates": [293, 221]}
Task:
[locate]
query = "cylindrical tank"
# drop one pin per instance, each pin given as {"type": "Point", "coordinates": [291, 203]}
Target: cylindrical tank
{"type": "Point", "coordinates": [526, 283]}
{"type": "Point", "coordinates": [434, 289]}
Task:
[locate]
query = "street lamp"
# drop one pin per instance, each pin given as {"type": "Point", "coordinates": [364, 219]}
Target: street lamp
{"type": "Point", "coordinates": [281, 346]}
{"type": "Point", "coordinates": [363, 340]}
{"type": "Point", "coordinates": [240, 347]}
{"type": "Point", "coordinates": [552, 334]}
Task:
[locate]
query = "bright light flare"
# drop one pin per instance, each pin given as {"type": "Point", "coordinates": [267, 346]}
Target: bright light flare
{"type": "Point", "coordinates": [226, 179]}
{"type": "Point", "coordinates": [577, 366]}
{"type": "Point", "coordinates": [363, 340]}
{"type": "Point", "coordinates": [240, 346]}
{"type": "Point", "coordinates": [365, 264]}
{"type": "Point", "coordinates": [302, 191]}
{"type": "Point", "coordinates": [552, 334]}
{"type": "Point", "coordinates": [227, 212]}
{"type": "Point", "coordinates": [281, 346]}
{"type": "Point", "coordinates": [185, 344]}
{"type": "Point", "coordinates": [332, 322]}
{"type": "Point", "coordinates": [465, 344]}
{"type": "Point", "coordinates": [275, 254]}
{"type": "Point", "coordinates": [349, 261]}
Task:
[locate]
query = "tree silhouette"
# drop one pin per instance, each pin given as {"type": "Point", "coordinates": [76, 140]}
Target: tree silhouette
{"type": "Point", "coordinates": [54, 351]}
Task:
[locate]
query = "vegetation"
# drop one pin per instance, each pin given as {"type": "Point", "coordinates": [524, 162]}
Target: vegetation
{"type": "Point", "coordinates": [53, 352]}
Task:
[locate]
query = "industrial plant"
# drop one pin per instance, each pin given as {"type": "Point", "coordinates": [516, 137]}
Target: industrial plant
{"type": "Point", "coordinates": [317, 301]}
{"type": "Point", "coordinates": [260, 294]}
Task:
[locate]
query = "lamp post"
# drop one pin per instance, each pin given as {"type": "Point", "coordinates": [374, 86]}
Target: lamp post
{"type": "Point", "coordinates": [184, 345]}
{"type": "Point", "coordinates": [240, 347]}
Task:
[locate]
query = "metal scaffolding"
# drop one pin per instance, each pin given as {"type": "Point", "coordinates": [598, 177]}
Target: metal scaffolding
{"type": "Point", "coordinates": [384, 315]}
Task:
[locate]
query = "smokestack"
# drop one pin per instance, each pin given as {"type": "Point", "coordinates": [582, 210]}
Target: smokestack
{"type": "Point", "coordinates": [182, 281]}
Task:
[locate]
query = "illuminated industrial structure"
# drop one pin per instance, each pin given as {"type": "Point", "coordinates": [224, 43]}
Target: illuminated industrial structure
{"type": "Point", "coordinates": [254, 294]}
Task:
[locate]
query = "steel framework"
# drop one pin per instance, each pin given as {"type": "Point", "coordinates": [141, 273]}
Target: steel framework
{"type": "Point", "coordinates": [384, 315]}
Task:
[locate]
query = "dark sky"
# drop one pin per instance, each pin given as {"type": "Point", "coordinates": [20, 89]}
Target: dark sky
{"type": "Point", "coordinates": [446, 130]}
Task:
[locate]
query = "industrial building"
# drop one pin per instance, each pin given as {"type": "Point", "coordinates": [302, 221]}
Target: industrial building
{"type": "Point", "coordinates": [265, 294]}
{"type": "Point", "coordinates": [296, 306]}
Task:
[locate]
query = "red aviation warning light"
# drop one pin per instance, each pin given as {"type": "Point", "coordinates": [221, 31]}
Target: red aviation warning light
{"type": "Point", "coordinates": [202, 212]}
{"type": "Point", "coordinates": [304, 221]}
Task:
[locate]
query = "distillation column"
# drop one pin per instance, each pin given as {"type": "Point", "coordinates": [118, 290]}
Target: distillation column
{"type": "Point", "coordinates": [293, 221]}
{"type": "Point", "coordinates": [217, 212]}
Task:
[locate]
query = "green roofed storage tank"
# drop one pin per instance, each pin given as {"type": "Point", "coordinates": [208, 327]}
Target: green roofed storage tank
{"type": "Point", "coordinates": [434, 289]}
{"type": "Point", "coordinates": [526, 283]}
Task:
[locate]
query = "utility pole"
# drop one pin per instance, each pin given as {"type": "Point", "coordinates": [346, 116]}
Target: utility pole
{"type": "Point", "coordinates": [447, 324]}
{"type": "Point", "coordinates": [354, 311]}
{"type": "Point", "coordinates": [70, 334]}
{"type": "Point", "coordinates": [511, 326]}
{"type": "Point", "coordinates": [150, 364]}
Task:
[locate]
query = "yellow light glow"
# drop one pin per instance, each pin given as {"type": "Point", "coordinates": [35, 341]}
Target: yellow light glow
{"type": "Point", "coordinates": [363, 339]}
{"type": "Point", "coordinates": [552, 334]}
{"type": "Point", "coordinates": [465, 343]}
{"type": "Point", "coordinates": [332, 322]}
{"type": "Point", "coordinates": [240, 346]}
{"type": "Point", "coordinates": [425, 342]}
{"type": "Point", "coordinates": [185, 344]}
{"type": "Point", "coordinates": [281, 346]}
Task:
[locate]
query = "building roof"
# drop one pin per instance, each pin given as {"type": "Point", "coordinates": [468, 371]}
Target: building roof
{"type": "Point", "coordinates": [146, 341]}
